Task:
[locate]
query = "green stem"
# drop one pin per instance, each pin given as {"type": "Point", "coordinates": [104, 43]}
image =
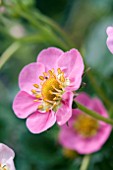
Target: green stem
{"type": "Point", "coordinates": [46, 30]}
{"type": "Point", "coordinates": [55, 26]}
{"type": "Point", "coordinates": [85, 162]}
{"type": "Point", "coordinates": [94, 114]}
{"type": "Point", "coordinates": [7, 54]}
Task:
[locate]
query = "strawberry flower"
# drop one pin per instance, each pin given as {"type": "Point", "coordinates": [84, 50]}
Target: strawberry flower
{"type": "Point", "coordinates": [46, 88]}
{"type": "Point", "coordinates": [85, 134]}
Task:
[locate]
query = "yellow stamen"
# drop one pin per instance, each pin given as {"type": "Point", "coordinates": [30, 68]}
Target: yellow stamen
{"type": "Point", "coordinates": [61, 86]}
{"type": "Point", "coordinates": [50, 72]}
{"type": "Point", "coordinates": [62, 79]}
{"type": "Point", "coordinates": [45, 74]}
{"type": "Point", "coordinates": [36, 85]}
{"type": "Point", "coordinates": [33, 91]}
{"type": "Point", "coordinates": [59, 71]}
{"type": "Point", "coordinates": [41, 78]}
{"type": "Point", "coordinates": [38, 96]}
{"type": "Point", "coordinates": [40, 107]}
{"type": "Point", "coordinates": [47, 110]}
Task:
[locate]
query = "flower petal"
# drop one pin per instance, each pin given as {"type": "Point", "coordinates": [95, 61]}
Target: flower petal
{"type": "Point", "coordinates": [84, 99]}
{"type": "Point", "coordinates": [39, 122]}
{"type": "Point", "coordinates": [24, 104]}
{"type": "Point", "coordinates": [109, 41]}
{"type": "Point", "coordinates": [6, 153]}
{"type": "Point", "coordinates": [30, 75]}
{"type": "Point", "coordinates": [71, 139]}
{"type": "Point", "coordinates": [65, 111]}
{"type": "Point", "coordinates": [99, 107]}
{"type": "Point", "coordinates": [49, 56]}
{"type": "Point", "coordinates": [71, 63]}
{"type": "Point", "coordinates": [10, 164]}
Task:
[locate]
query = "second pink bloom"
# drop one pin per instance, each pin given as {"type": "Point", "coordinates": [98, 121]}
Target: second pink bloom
{"type": "Point", "coordinates": [85, 134]}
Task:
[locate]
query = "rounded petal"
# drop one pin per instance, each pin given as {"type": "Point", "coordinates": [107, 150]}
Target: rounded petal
{"type": "Point", "coordinates": [24, 104]}
{"type": "Point", "coordinates": [71, 63]}
{"type": "Point", "coordinates": [39, 122]}
{"type": "Point", "coordinates": [109, 41]}
{"type": "Point", "coordinates": [30, 75]}
{"type": "Point", "coordinates": [49, 57]}
{"type": "Point", "coordinates": [65, 111]}
{"type": "Point", "coordinates": [6, 153]}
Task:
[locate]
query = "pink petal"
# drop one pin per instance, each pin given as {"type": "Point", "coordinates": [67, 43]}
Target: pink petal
{"type": "Point", "coordinates": [30, 75]}
{"type": "Point", "coordinates": [65, 111]}
{"type": "Point", "coordinates": [71, 63]}
{"type": "Point", "coordinates": [24, 104]}
{"type": "Point", "coordinates": [6, 153]}
{"type": "Point", "coordinates": [10, 164]}
{"type": "Point", "coordinates": [90, 145]}
{"type": "Point", "coordinates": [84, 99]}
{"type": "Point", "coordinates": [49, 57]}
{"type": "Point", "coordinates": [99, 107]}
{"type": "Point", "coordinates": [109, 41]}
{"type": "Point", "coordinates": [69, 138]}
{"type": "Point", "coordinates": [39, 122]}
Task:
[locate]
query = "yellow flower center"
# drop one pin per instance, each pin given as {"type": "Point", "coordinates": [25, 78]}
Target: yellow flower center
{"type": "Point", "coordinates": [86, 125]}
{"type": "Point", "coordinates": [48, 89]}
{"type": "Point", "coordinates": [49, 92]}
{"type": "Point", "coordinates": [3, 167]}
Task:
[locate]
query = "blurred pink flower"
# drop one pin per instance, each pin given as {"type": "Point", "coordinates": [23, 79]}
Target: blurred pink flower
{"type": "Point", "coordinates": [6, 158]}
{"type": "Point", "coordinates": [85, 134]}
{"type": "Point", "coordinates": [109, 41]}
{"type": "Point", "coordinates": [46, 88]}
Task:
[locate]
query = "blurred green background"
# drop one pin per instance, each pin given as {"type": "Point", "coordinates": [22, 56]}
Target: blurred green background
{"type": "Point", "coordinates": [27, 27]}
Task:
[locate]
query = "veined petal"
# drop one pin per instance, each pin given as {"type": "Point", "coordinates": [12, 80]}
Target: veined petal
{"type": "Point", "coordinates": [49, 56]}
{"type": "Point", "coordinates": [64, 113]}
{"type": "Point", "coordinates": [24, 104]}
{"type": "Point", "coordinates": [30, 75]}
{"type": "Point", "coordinates": [39, 122]}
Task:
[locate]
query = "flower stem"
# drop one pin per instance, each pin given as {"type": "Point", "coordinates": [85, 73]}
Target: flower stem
{"type": "Point", "coordinates": [85, 162]}
{"type": "Point", "coordinates": [94, 114]}
{"type": "Point", "coordinates": [7, 54]}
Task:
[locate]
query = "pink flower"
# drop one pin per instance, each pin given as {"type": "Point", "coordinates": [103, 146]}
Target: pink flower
{"type": "Point", "coordinates": [46, 88]}
{"type": "Point", "coordinates": [6, 158]}
{"type": "Point", "coordinates": [109, 41]}
{"type": "Point", "coordinates": [85, 134]}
